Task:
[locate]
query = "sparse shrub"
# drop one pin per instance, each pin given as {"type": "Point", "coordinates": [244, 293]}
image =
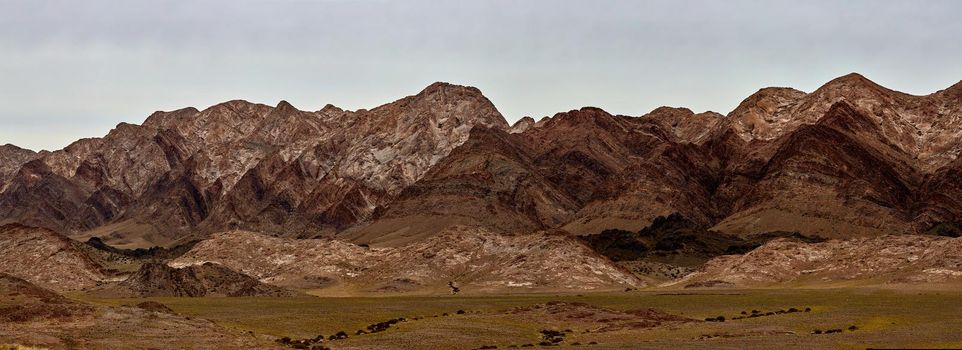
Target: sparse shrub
{"type": "Point", "coordinates": [383, 326]}
{"type": "Point", "coordinates": [551, 333]}
{"type": "Point", "coordinates": [339, 335]}
{"type": "Point", "coordinates": [744, 312]}
{"type": "Point", "coordinates": [460, 312]}
{"type": "Point", "coordinates": [792, 310]}
{"type": "Point", "coordinates": [551, 336]}
{"type": "Point", "coordinates": [592, 343]}
{"type": "Point", "coordinates": [853, 328]}
{"type": "Point", "coordinates": [817, 331]}
{"type": "Point", "coordinates": [808, 309]}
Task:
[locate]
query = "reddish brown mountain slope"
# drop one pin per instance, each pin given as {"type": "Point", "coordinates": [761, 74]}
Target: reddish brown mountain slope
{"type": "Point", "coordinates": [244, 165]}
{"type": "Point", "coordinates": [850, 158]}
{"type": "Point", "coordinates": [884, 259]}
{"type": "Point", "coordinates": [583, 171]}
{"type": "Point", "coordinates": [11, 159]}
{"type": "Point", "coordinates": [46, 258]}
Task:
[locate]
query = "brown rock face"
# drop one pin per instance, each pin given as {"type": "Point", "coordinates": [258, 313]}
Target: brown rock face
{"type": "Point", "coordinates": [850, 158]}
{"type": "Point", "coordinates": [685, 124]}
{"type": "Point", "coordinates": [583, 171]}
{"type": "Point", "coordinates": [523, 125]}
{"type": "Point", "coordinates": [889, 259]}
{"type": "Point", "coordinates": [240, 165]}
{"type": "Point", "coordinates": [925, 127]}
{"type": "Point", "coordinates": [46, 258]}
{"type": "Point", "coordinates": [11, 159]}
{"type": "Point", "coordinates": [472, 258]}
{"type": "Point", "coordinates": [159, 280]}
{"type": "Point", "coordinates": [838, 176]}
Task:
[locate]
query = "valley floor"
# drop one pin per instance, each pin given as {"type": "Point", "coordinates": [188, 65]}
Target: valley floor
{"type": "Point", "coordinates": [882, 317]}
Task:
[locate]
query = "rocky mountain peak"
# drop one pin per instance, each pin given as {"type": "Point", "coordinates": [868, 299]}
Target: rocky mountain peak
{"type": "Point", "coordinates": [443, 106]}
{"type": "Point", "coordinates": [761, 115]}
{"type": "Point", "coordinates": [330, 108]}
{"type": "Point", "coordinates": [522, 125]}
{"type": "Point", "coordinates": [441, 87]}
{"type": "Point", "coordinates": [9, 149]}
{"type": "Point", "coordinates": [161, 119]}
{"type": "Point", "coordinates": [685, 124]}
{"type": "Point", "coordinates": [583, 116]}
{"type": "Point", "coordinates": [11, 159]}
{"type": "Point", "coordinates": [666, 110]}
{"type": "Point", "coordinates": [285, 107]}
{"type": "Point", "coordinates": [854, 86]}
{"type": "Point", "coordinates": [236, 107]}
{"type": "Point", "coordinates": [852, 78]}
{"type": "Point", "coordinates": [953, 92]}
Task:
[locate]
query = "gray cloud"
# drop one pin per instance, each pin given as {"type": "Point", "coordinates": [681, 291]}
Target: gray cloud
{"type": "Point", "coordinates": [74, 69]}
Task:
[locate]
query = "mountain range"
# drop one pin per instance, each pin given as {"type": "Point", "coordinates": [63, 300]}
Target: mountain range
{"type": "Point", "coordinates": [849, 159]}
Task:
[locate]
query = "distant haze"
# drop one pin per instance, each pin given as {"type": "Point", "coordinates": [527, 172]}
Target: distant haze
{"type": "Point", "coordinates": [74, 69]}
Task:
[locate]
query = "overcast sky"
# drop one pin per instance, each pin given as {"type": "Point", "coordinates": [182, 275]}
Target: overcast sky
{"type": "Point", "coordinates": [73, 69]}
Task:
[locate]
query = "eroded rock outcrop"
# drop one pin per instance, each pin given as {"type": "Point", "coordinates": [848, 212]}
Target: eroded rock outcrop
{"type": "Point", "coordinates": [886, 259]}
{"type": "Point", "coordinates": [208, 279]}
{"type": "Point", "coordinates": [475, 259]}
{"type": "Point", "coordinates": [46, 258]}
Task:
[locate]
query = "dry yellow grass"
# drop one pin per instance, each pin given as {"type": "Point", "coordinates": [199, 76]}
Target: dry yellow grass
{"type": "Point", "coordinates": [883, 317]}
